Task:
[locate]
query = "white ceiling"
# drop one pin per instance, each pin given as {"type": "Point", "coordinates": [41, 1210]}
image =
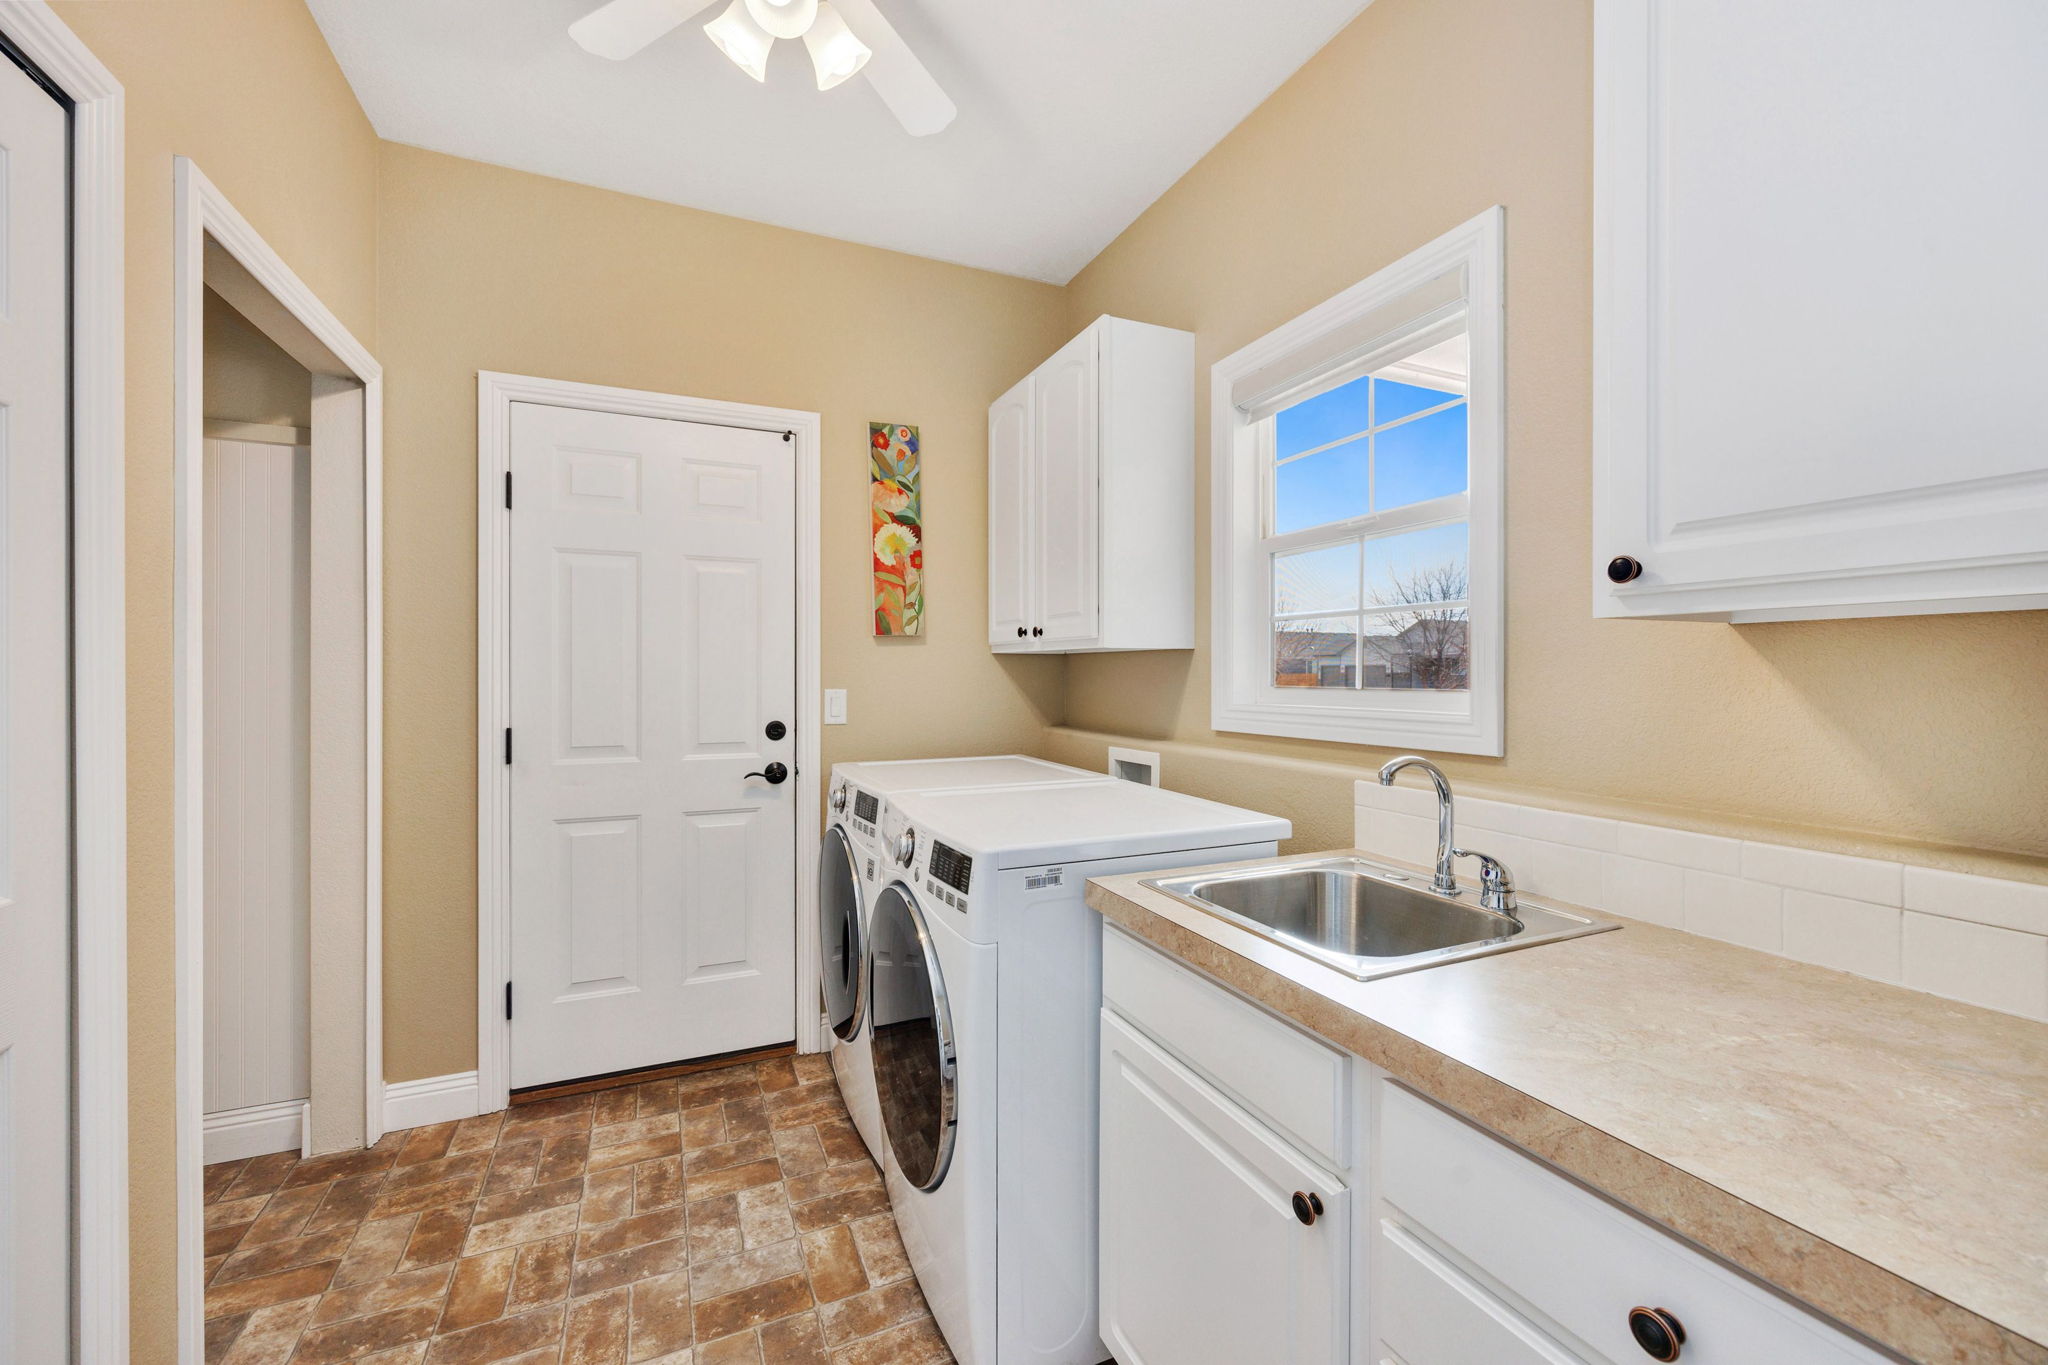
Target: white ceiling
{"type": "Point", "coordinates": [1074, 114]}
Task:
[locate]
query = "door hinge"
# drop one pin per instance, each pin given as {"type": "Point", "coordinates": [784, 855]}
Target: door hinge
{"type": "Point", "coordinates": [508, 744]}
{"type": "Point", "coordinates": [508, 490]}
{"type": "Point", "coordinates": [508, 1002]}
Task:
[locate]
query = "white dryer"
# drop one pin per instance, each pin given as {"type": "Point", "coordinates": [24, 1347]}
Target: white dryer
{"type": "Point", "coordinates": [849, 863]}
{"type": "Point", "coordinates": [984, 1006]}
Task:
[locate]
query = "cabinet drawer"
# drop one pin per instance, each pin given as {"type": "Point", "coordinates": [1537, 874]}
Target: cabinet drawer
{"type": "Point", "coordinates": [1297, 1083]}
{"type": "Point", "coordinates": [1576, 1260]}
{"type": "Point", "coordinates": [1428, 1312]}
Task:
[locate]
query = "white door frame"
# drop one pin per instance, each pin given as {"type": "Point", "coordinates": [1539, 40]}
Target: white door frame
{"type": "Point", "coordinates": [495, 395]}
{"type": "Point", "coordinates": [206, 221]}
{"type": "Point", "coordinates": [99, 677]}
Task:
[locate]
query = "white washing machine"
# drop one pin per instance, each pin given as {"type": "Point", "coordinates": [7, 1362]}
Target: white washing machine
{"type": "Point", "coordinates": [849, 864]}
{"type": "Point", "coordinates": [984, 1007]}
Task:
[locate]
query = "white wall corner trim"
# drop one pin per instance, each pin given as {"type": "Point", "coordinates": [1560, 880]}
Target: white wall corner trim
{"type": "Point", "coordinates": [206, 221]}
{"type": "Point", "coordinates": [433, 1099]}
{"type": "Point", "coordinates": [99, 664]}
{"type": "Point", "coordinates": [495, 395]}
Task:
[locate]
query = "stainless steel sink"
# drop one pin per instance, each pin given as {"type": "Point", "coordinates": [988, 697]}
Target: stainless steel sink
{"type": "Point", "coordinates": [1368, 920]}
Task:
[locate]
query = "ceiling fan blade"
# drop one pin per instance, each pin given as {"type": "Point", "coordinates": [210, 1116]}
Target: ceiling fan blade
{"type": "Point", "coordinates": [896, 73]}
{"type": "Point", "coordinates": [623, 27]}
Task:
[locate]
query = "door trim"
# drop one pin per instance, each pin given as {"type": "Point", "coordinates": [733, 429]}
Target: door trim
{"type": "Point", "coordinates": [495, 394]}
{"type": "Point", "coordinates": [99, 663]}
{"type": "Point", "coordinates": [208, 227]}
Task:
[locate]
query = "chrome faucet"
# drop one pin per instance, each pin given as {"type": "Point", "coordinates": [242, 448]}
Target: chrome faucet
{"type": "Point", "coordinates": [1496, 883]}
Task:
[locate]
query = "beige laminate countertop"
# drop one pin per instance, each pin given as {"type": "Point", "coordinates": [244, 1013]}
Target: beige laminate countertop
{"type": "Point", "coordinates": [1878, 1153]}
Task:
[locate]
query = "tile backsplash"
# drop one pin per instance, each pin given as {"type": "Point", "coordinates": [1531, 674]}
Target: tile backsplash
{"type": "Point", "coordinates": [1982, 940]}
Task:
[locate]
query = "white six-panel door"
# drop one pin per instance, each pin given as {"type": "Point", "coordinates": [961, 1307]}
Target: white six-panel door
{"type": "Point", "coordinates": [35, 732]}
{"type": "Point", "coordinates": [653, 643]}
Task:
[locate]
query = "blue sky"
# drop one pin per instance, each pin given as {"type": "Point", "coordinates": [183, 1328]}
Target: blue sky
{"type": "Point", "coordinates": [1412, 462]}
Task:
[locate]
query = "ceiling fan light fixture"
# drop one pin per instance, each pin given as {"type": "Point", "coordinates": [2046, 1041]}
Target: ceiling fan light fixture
{"type": "Point", "coordinates": [743, 40]}
{"type": "Point", "coordinates": [784, 18]}
{"type": "Point", "coordinates": [835, 53]}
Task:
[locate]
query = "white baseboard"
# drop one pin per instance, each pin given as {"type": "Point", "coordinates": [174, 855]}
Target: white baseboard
{"type": "Point", "coordinates": [434, 1099]}
{"type": "Point", "coordinates": [258, 1130]}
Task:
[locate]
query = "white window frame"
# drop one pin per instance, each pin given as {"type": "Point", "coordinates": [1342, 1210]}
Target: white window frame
{"type": "Point", "coordinates": [1243, 698]}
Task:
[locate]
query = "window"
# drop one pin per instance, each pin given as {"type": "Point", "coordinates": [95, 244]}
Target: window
{"type": "Point", "coordinates": [1358, 511]}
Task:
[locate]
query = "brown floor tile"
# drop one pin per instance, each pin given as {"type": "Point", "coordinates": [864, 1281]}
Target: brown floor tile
{"type": "Point", "coordinates": [261, 1291]}
{"type": "Point", "coordinates": [608, 1195]}
{"type": "Point", "coordinates": [661, 1316]}
{"type": "Point", "coordinates": [865, 1314]}
{"type": "Point", "coordinates": [834, 1263]}
{"type": "Point", "coordinates": [793, 1341]}
{"type": "Point", "coordinates": [542, 1273]}
{"type": "Point", "coordinates": [478, 1289]}
{"type": "Point", "coordinates": [600, 1273]}
{"type": "Point", "coordinates": [765, 1216]}
{"type": "Point", "coordinates": [726, 1217]}
{"type": "Point", "coordinates": [500, 1340]}
{"type": "Point", "coordinates": [881, 1248]}
{"type": "Point", "coordinates": [812, 1066]}
{"type": "Point", "coordinates": [284, 1255]}
{"type": "Point", "coordinates": [599, 1329]}
{"type": "Point", "coordinates": [406, 1289]}
{"type": "Point", "coordinates": [627, 1233]}
{"type": "Point", "coordinates": [914, 1343]}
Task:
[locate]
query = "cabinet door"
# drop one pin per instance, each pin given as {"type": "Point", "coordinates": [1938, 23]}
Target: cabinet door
{"type": "Point", "coordinates": [1066, 429]}
{"type": "Point", "coordinates": [1817, 301]}
{"type": "Point", "coordinates": [1203, 1259]}
{"type": "Point", "coordinates": [1009, 519]}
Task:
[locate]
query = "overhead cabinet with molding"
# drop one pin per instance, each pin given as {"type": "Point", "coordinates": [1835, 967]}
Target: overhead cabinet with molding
{"type": "Point", "coordinates": [1091, 498]}
{"type": "Point", "coordinates": [1819, 284]}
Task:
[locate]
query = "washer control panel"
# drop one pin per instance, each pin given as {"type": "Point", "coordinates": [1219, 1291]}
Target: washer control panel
{"type": "Point", "coordinates": [947, 874]}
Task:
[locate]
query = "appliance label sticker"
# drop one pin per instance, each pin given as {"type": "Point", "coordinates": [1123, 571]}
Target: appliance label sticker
{"type": "Point", "coordinates": [1050, 877]}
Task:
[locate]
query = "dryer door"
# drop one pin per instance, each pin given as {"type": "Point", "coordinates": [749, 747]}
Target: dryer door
{"type": "Point", "coordinates": [913, 1039]}
{"type": "Point", "coordinates": [842, 945]}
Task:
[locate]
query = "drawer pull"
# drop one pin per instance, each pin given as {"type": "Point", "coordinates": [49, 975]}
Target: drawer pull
{"type": "Point", "coordinates": [1657, 1331]}
{"type": "Point", "coordinates": [1309, 1207]}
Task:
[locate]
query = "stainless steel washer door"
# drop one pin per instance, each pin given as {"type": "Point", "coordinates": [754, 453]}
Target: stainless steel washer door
{"type": "Point", "coordinates": [913, 1039]}
{"type": "Point", "coordinates": [842, 949]}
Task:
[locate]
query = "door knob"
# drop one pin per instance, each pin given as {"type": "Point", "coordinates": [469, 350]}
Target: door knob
{"type": "Point", "coordinates": [1038, 630]}
{"type": "Point", "coordinates": [1624, 569]}
{"type": "Point", "coordinates": [1308, 1207]}
{"type": "Point", "coordinates": [1020, 632]}
{"type": "Point", "coordinates": [774, 772]}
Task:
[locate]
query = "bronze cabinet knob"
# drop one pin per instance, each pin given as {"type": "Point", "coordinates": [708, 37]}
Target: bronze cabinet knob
{"type": "Point", "coordinates": [1307, 1207]}
{"type": "Point", "coordinates": [1657, 1331]}
{"type": "Point", "coordinates": [1624, 569]}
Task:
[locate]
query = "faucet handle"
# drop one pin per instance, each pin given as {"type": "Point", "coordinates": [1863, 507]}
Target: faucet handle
{"type": "Point", "coordinates": [1496, 883]}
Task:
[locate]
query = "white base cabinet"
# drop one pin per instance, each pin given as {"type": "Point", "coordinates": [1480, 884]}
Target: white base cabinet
{"type": "Point", "coordinates": [1091, 496]}
{"type": "Point", "coordinates": [1435, 1243]}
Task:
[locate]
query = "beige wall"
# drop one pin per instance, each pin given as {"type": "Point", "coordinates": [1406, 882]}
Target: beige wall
{"type": "Point", "coordinates": [248, 89]}
{"type": "Point", "coordinates": [247, 377]}
{"type": "Point", "coordinates": [1417, 116]}
{"type": "Point", "coordinates": [487, 269]}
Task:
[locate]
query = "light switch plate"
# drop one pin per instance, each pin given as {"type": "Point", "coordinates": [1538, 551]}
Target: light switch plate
{"type": "Point", "coordinates": [835, 706]}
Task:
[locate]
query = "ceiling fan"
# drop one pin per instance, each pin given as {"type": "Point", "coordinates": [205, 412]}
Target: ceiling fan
{"type": "Point", "coordinates": [844, 37]}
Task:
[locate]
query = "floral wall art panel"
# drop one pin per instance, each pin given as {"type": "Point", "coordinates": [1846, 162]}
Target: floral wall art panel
{"type": "Point", "coordinates": [896, 519]}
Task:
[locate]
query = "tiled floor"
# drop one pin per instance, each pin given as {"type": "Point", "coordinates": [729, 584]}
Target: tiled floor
{"type": "Point", "coordinates": [729, 1216]}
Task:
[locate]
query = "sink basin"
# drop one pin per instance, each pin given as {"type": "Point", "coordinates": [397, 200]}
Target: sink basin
{"type": "Point", "coordinates": [1368, 920]}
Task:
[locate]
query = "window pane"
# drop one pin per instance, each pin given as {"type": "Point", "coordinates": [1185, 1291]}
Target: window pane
{"type": "Point", "coordinates": [1316, 653]}
{"type": "Point", "coordinates": [1394, 401]}
{"type": "Point", "coordinates": [1418, 566]}
{"type": "Point", "coordinates": [1316, 580]}
{"type": "Point", "coordinates": [1321, 488]}
{"type": "Point", "coordinates": [1343, 411]}
{"type": "Point", "coordinates": [1426, 648]}
{"type": "Point", "coordinates": [1419, 460]}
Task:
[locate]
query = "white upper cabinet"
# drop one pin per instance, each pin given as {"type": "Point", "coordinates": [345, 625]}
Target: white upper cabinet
{"type": "Point", "coordinates": [1818, 299]}
{"type": "Point", "coordinates": [1091, 496]}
